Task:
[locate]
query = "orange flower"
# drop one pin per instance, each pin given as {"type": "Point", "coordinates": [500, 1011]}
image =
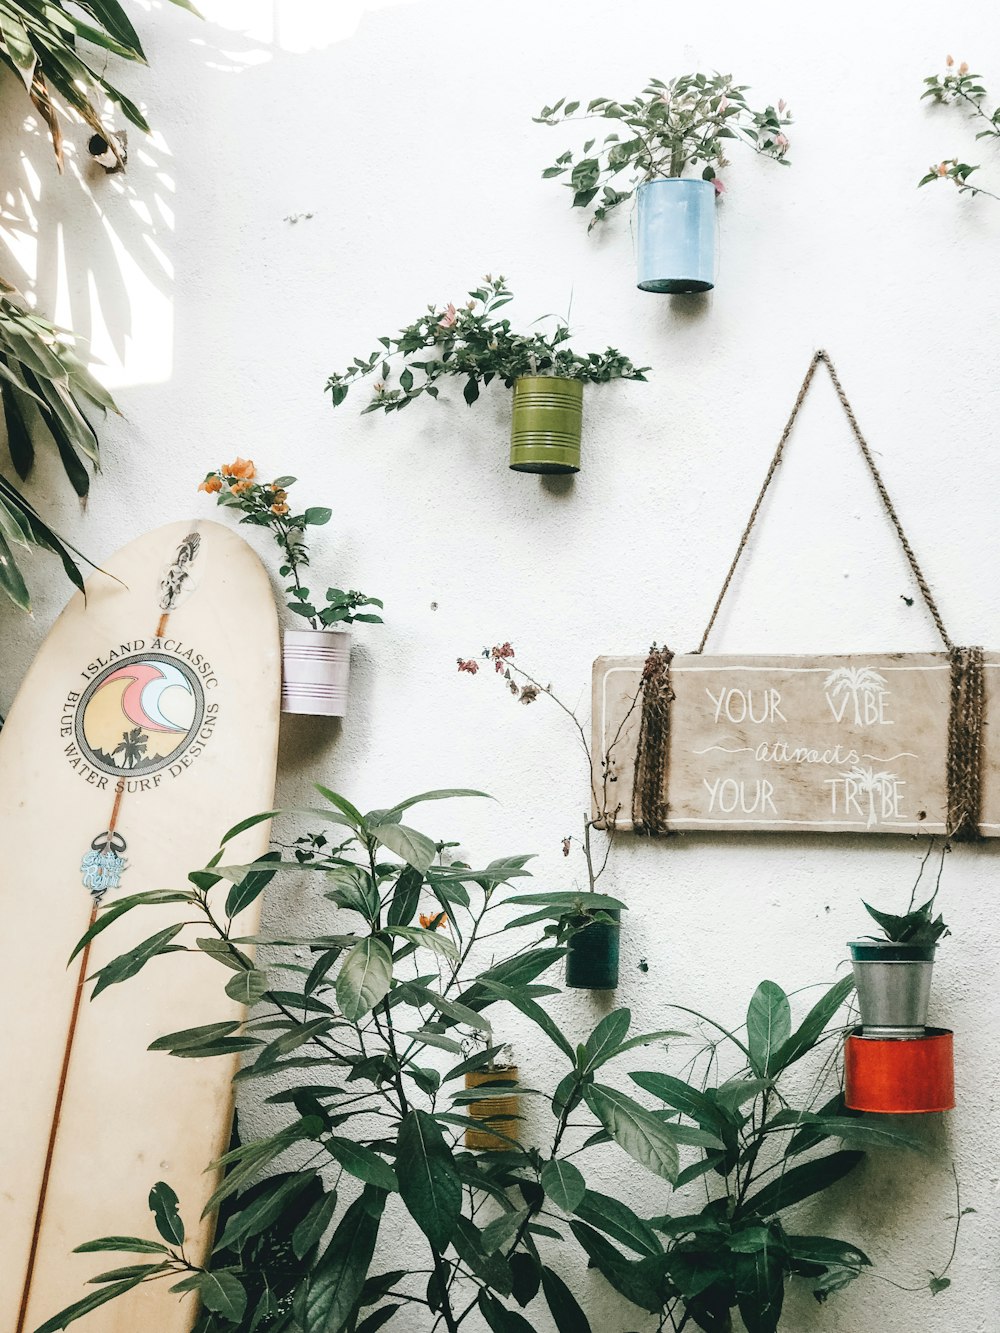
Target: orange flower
{"type": "Point", "coordinates": [238, 487]}
{"type": "Point", "coordinates": [243, 467]}
{"type": "Point", "coordinates": [434, 921]}
{"type": "Point", "coordinates": [211, 484]}
{"type": "Point", "coordinates": [278, 508]}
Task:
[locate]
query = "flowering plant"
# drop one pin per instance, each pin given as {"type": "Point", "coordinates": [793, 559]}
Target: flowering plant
{"type": "Point", "coordinates": [957, 86]}
{"type": "Point", "coordinates": [470, 341]}
{"type": "Point", "coordinates": [667, 129]}
{"type": "Point", "coordinates": [265, 505]}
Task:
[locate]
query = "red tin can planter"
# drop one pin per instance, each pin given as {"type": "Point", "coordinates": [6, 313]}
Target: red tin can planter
{"type": "Point", "coordinates": [896, 1076]}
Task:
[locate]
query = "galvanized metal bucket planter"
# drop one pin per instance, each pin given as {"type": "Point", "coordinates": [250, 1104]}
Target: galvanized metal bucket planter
{"type": "Point", "coordinates": [675, 244]}
{"type": "Point", "coordinates": [546, 424]}
{"type": "Point", "coordinates": [499, 1112]}
{"type": "Point", "coordinates": [316, 671]}
{"type": "Point", "coordinates": [894, 986]}
{"type": "Point", "coordinates": [900, 1077]}
{"type": "Point", "coordinates": [592, 956]}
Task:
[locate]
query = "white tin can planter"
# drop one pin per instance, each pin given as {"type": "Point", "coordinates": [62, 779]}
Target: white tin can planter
{"type": "Point", "coordinates": [316, 671]}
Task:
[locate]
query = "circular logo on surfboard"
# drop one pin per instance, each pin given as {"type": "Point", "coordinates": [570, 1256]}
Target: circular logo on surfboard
{"type": "Point", "coordinates": [139, 714]}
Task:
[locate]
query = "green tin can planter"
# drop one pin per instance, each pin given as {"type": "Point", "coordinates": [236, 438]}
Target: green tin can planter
{"type": "Point", "coordinates": [546, 424]}
{"type": "Point", "coordinates": [592, 955]}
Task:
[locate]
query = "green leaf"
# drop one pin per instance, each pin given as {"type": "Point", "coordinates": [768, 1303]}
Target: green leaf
{"type": "Point", "coordinates": [500, 1319]}
{"type": "Point", "coordinates": [626, 1275]}
{"type": "Point", "coordinates": [605, 1040]}
{"type": "Point", "coordinates": [493, 1269]}
{"type": "Point", "coordinates": [563, 1184]}
{"type": "Point", "coordinates": [618, 1221]}
{"type": "Point", "coordinates": [128, 964]}
{"type": "Point", "coordinates": [92, 1302]}
{"type": "Point", "coordinates": [769, 1025]}
{"type": "Point", "coordinates": [264, 1209]}
{"type": "Point", "coordinates": [310, 1231]}
{"type": "Point", "coordinates": [426, 939]}
{"type": "Point", "coordinates": [250, 887]}
{"type": "Point", "coordinates": [326, 1300]}
{"type": "Point", "coordinates": [223, 1293]}
{"type": "Point", "coordinates": [121, 1245]}
{"type": "Point", "coordinates": [429, 1184]}
{"type": "Point", "coordinates": [531, 1010]}
{"type": "Point", "coordinates": [247, 987]}
{"type": "Point", "coordinates": [503, 1229]}
{"type": "Point", "coordinates": [362, 1162]}
{"type": "Point", "coordinates": [316, 516]}
{"type": "Point", "coordinates": [164, 1207]}
{"type": "Point", "coordinates": [405, 897]}
{"type": "Point", "coordinates": [800, 1182]}
{"type": "Point", "coordinates": [759, 1278]}
{"type": "Point", "coordinates": [116, 909]}
{"type": "Point", "coordinates": [364, 978]}
{"type": "Point", "coordinates": [683, 1097]}
{"type": "Point", "coordinates": [439, 794]}
{"type": "Point", "coordinates": [812, 1027]}
{"type": "Point", "coordinates": [563, 1305]}
{"type": "Point", "coordinates": [635, 1129]}
{"type": "Point", "coordinates": [416, 849]}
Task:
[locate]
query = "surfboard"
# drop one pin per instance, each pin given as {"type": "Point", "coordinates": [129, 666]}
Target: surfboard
{"type": "Point", "coordinates": [146, 727]}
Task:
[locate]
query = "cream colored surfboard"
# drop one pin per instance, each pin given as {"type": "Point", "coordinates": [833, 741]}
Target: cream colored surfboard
{"type": "Point", "coordinates": [146, 728]}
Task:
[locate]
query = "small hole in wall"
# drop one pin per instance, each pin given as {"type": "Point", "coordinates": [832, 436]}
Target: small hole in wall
{"type": "Point", "coordinates": [434, 606]}
{"type": "Point", "coordinates": [643, 965]}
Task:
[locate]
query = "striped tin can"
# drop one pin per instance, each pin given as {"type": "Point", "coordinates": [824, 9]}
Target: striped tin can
{"type": "Point", "coordinates": [546, 424]}
{"type": "Point", "coordinates": [499, 1111]}
{"type": "Point", "coordinates": [316, 671]}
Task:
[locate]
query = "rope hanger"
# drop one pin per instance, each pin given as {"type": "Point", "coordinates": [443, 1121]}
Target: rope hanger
{"type": "Point", "coordinates": [967, 696]}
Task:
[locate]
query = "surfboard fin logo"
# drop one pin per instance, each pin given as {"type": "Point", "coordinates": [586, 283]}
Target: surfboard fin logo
{"type": "Point", "coordinates": [104, 865]}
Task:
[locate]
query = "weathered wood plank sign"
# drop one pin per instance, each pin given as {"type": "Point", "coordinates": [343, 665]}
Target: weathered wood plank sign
{"type": "Point", "coordinates": [838, 744]}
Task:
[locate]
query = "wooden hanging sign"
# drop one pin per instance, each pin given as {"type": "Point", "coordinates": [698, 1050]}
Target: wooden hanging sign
{"type": "Point", "coordinates": [838, 744]}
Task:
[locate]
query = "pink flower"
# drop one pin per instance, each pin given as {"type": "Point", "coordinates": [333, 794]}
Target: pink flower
{"type": "Point", "coordinates": [781, 142]}
{"type": "Point", "coordinates": [468, 664]}
{"type": "Point", "coordinates": [448, 318]}
{"type": "Point", "coordinates": [723, 103]}
{"type": "Point", "coordinates": [949, 61]}
{"type": "Point", "coordinates": [782, 104]}
{"type": "Point", "coordinates": [963, 67]}
{"type": "Point", "coordinates": [719, 187]}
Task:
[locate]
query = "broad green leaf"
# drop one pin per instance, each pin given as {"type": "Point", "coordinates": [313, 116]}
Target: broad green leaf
{"type": "Point", "coordinates": [812, 1027]}
{"type": "Point", "coordinates": [858, 1132]}
{"type": "Point", "coordinates": [310, 1231]}
{"type": "Point", "coordinates": [248, 1160]}
{"type": "Point", "coordinates": [800, 1182]}
{"type": "Point", "coordinates": [617, 1220]}
{"type": "Point", "coordinates": [493, 1269]}
{"type": "Point", "coordinates": [605, 1040]}
{"type": "Point", "coordinates": [164, 1207]}
{"type": "Point", "coordinates": [735, 1091]}
{"type": "Point", "coordinates": [223, 1293]}
{"type": "Point", "coordinates": [250, 887]}
{"type": "Point", "coordinates": [443, 794]}
{"type": "Point", "coordinates": [683, 1097]}
{"type": "Point", "coordinates": [769, 1025]}
{"type": "Point", "coordinates": [635, 1129]}
{"type": "Point", "coordinates": [350, 812]}
{"type": "Point", "coordinates": [405, 897]}
{"type": "Point", "coordinates": [426, 939]}
{"type": "Point", "coordinates": [362, 1162]}
{"type": "Point", "coordinates": [416, 849]}
{"type": "Point", "coordinates": [644, 1039]}
{"type": "Point", "coordinates": [364, 978]}
{"type": "Point", "coordinates": [326, 1300]}
{"type": "Point", "coordinates": [563, 1184]}
{"type": "Point", "coordinates": [247, 987]}
{"type": "Point", "coordinates": [500, 1319]}
{"type": "Point", "coordinates": [826, 1250]}
{"type": "Point", "coordinates": [567, 1314]}
{"type": "Point", "coordinates": [503, 1229]}
{"type": "Point", "coordinates": [428, 1181]}
{"type": "Point", "coordinates": [452, 1009]}
{"type": "Point", "coordinates": [759, 1278]}
{"type": "Point", "coordinates": [263, 1210]}
{"type": "Point", "coordinates": [625, 1275]}
{"type": "Point", "coordinates": [570, 901]}
{"type": "Point", "coordinates": [514, 972]}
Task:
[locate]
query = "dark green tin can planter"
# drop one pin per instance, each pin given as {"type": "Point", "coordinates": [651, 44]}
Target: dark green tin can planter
{"type": "Point", "coordinates": [546, 424]}
{"type": "Point", "coordinates": [592, 956]}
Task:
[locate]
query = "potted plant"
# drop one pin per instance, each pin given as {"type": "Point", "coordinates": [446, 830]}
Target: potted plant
{"type": "Point", "coordinates": [473, 343]}
{"type": "Point", "coordinates": [587, 922]}
{"type": "Point", "coordinates": [893, 972]}
{"type": "Point", "coordinates": [493, 1104]}
{"type": "Point", "coordinates": [370, 1040]}
{"type": "Point", "coordinates": [663, 133]}
{"type": "Point", "coordinates": [316, 662]}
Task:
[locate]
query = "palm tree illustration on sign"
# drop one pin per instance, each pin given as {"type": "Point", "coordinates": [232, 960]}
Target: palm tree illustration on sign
{"type": "Point", "coordinates": [131, 747]}
{"type": "Point", "coordinates": [862, 781]}
{"type": "Point", "coordinates": [863, 687]}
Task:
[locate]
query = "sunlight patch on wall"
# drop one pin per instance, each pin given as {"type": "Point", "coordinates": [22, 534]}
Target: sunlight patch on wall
{"type": "Point", "coordinates": [295, 26]}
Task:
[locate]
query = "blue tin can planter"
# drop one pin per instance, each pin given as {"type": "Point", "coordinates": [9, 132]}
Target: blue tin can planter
{"type": "Point", "coordinates": [676, 236]}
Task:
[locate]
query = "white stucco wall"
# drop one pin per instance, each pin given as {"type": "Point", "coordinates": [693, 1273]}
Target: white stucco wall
{"type": "Point", "coordinates": [406, 131]}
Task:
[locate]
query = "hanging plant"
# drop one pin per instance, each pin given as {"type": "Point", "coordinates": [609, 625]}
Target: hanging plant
{"type": "Point", "coordinates": [472, 343]}
{"type": "Point", "coordinates": [662, 135]}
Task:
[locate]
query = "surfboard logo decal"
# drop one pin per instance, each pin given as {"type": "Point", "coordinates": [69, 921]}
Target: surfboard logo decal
{"type": "Point", "coordinates": [139, 714]}
{"type": "Point", "coordinates": [177, 583]}
{"type": "Point", "coordinates": [104, 865]}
